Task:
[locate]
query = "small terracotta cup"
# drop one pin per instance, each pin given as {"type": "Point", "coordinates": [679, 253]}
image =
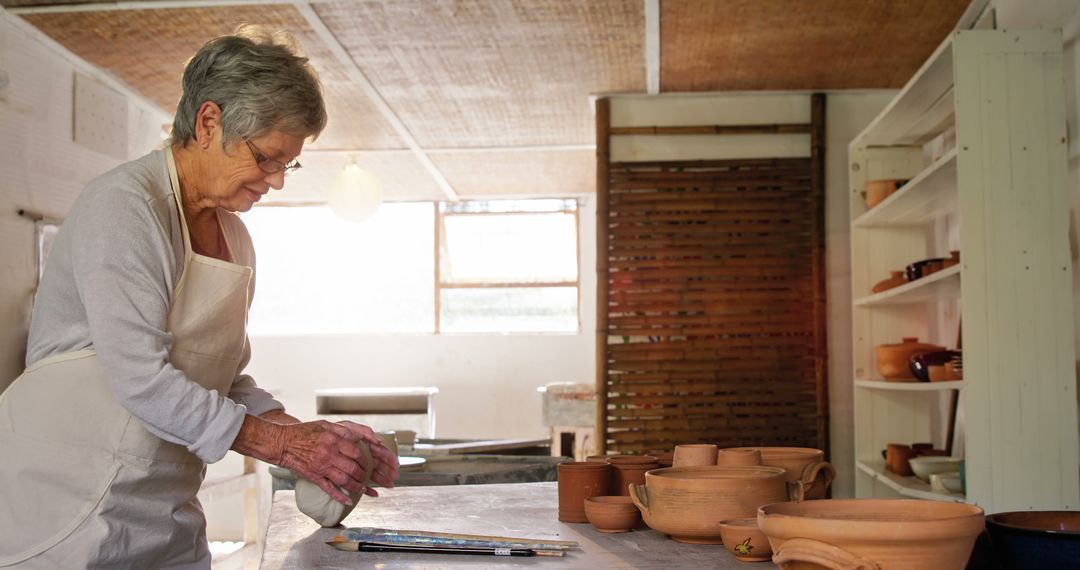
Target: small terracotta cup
{"type": "Point", "coordinates": [897, 457]}
{"type": "Point", "coordinates": [695, 455]}
{"type": "Point", "coordinates": [630, 469]}
{"type": "Point", "coordinates": [739, 456]}
{"type": "Point", "coordinates": [579, 480]}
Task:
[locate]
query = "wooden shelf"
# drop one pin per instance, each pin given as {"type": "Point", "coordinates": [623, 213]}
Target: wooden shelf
{"type": "Point", "coordinates": [907, 486]}
{"type": "Point", "coordinates": [929, 195]}
{"type": "Point", "coordinates": [910, 386]}
{"type": "Point", "coordinates": [922, 109]}
{"type": "Point", "coordinates": [941, 285]}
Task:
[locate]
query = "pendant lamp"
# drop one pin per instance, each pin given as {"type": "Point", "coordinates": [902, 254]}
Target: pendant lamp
{"type": "Point", "coordinates": [355, 194]}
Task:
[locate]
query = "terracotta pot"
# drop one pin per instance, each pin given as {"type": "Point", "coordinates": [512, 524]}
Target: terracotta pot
{"type": "Point", "coordinates": [688, 503]}
{"type": "Point", "coordinates": [878, 190]}
{"type": "Point", "coordinates": [579, 480]}
{"type": "Point", "coordinates": [871, 534]}
{"type": "Point", "coordinates": [898, 458]}
{"type": "Point", "coordinates": [737, 456]}
{"type": "Point", "coordinates": [954, 258]}
{"type": "Point", "coordinates": [893, 359]}
{"type": "Point", "coordinates": [631, 469]}
{"type": "Point", "coordinates": [922, 268]}
{"type": "Point", "coordinates": [694, 455]}
{"type": "Point", "coordinates": [612, 514]}
{"type": "Point", "coordinates": [920, 363]}
{"type": "Point", "coordinates": [665, 458]}
{"type": "Point", "coordinates": [744, 539]}
{"type": "Point", "coordinates": [802, 464]}
{"type": "Point", "coordinates": [896, 279]}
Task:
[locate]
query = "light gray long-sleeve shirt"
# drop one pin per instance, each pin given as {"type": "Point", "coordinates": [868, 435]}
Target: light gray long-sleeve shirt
{"type": "Point", "coordinates": [108, 285]}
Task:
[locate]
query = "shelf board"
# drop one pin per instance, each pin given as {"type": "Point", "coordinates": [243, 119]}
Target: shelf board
{"type": "Point", "coordinates": [907, 486]}
{"type": "Point", "coordinates": [910, 386]}
{"type": "Point", "coordinates": [941, 285]}
{"type": "Point", "coordinates": [922, 109]}
{"type": "Point", "coordinates": [931, 194]}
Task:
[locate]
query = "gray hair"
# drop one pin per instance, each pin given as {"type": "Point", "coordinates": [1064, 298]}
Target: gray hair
{"type": "Point", "coordinates": [261, 82]}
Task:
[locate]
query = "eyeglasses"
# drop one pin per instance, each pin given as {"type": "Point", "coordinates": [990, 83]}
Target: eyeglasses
{"type": "Point", "coordinates": [270, 166]}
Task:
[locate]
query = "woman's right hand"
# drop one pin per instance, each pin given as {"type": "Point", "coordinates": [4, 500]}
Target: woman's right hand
{"type": "Point", "coordinates": [325, 454]}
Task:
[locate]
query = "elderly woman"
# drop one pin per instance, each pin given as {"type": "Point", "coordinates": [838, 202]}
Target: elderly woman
{"type": "Point", "coordinates": [137, 344]}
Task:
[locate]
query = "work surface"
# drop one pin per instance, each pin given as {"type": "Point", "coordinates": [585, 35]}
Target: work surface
{"type": "Point", "coordinates": [294, 541]}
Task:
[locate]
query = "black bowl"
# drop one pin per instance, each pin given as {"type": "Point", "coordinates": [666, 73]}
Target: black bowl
{"type": "Point", "coordinates": [920, 363]}
{"type": "Point", "coordinates": [1036, 540]}
{"type": "Point", "coordinates": [917, 270]}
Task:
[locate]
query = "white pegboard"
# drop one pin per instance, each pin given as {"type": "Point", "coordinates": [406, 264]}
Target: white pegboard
{"type": "Point", "coordinates": [101, 117]}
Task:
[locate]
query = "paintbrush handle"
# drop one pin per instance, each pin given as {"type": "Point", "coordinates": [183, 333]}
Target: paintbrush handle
{"type": "Point", "coordinates": [368, 547]}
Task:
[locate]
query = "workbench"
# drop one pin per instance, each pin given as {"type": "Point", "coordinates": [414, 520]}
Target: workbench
{"type": "Point", "coordinates": [528, 510]}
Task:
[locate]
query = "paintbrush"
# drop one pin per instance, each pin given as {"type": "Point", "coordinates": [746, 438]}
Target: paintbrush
{"type": "Point", "coordinates": [349, 546]}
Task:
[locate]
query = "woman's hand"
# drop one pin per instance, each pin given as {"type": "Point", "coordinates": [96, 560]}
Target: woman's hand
{"type": "Point", "coordinates": [386, 462]}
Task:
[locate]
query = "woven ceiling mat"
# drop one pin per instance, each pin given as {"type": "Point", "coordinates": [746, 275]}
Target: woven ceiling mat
{"type": "Point", "coordinates": [826, 44]}
{"type": "Point", "coordinates": [147, 49]}
{"type": "Point", "coordinates": [711, 306]}
{"type": "Point", "coordinates": [517, 173]}
{"type": "Point", "coordinates": [486, 73]}
{"type": "Point", "coordinates": [401, 175]}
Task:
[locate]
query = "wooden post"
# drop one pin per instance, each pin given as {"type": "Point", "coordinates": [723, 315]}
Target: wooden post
{"type": "Point", "coordinates": [603, 165]}
{"type": "Point", "coordinates": [817, 184]}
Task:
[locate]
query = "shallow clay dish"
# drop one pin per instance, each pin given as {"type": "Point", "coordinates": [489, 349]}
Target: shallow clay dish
{"type": "Point", "coordinates": [744, 539]}
{"type": "Point", "coordinates": [897, 534]}
{"type": "Point", "coordinates": [612, 513]}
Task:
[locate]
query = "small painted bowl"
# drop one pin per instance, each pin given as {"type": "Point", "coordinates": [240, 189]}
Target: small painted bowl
{"type": "Point", "coordinates": [612, 513]}
{"type": "Point", "coordinates": [744, 539]}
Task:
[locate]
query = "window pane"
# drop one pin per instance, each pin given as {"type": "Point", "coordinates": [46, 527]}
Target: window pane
{"type": "Point", "coordinates": [319, 274]}
{"type": "Point", "coordinates": [499, 309]}
{"type": "Point", "coordinates": [503, 206]}
{"type": "Point", "coordinates": [510, 248]}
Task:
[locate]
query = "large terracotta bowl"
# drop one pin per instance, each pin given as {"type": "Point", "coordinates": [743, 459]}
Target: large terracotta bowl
{"type": "Point", "coordinates": [871, 534]}
{"type": "Point", "coordinates": [804, 464]}
{"type": "Point", "coordinates": [688, 503]}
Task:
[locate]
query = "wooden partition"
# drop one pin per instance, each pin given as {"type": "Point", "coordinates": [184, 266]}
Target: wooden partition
{"type": "Point", "coordinates": [711, 295]}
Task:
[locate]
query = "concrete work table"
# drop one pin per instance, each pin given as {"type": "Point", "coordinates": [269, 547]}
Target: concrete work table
{"type": "Point", "coordinates": [520, 510]}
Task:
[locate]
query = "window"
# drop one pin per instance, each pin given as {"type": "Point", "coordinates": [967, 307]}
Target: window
{"type": "Point", "coordinates": [501, 267]}
{"type": "Point", "coordinates": [508, 266]}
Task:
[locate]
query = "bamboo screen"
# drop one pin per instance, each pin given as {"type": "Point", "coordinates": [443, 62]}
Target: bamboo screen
{"type": "Point", "coordinates": [711, 300]}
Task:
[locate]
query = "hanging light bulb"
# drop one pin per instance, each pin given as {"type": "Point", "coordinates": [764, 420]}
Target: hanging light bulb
{"type": "Point", "coordinates": [355, 194]}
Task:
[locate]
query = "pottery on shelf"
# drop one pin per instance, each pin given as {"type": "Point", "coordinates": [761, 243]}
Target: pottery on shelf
{"type": "Point", "coordinates": [922, 268]}
{"type": "Point", "coordinates": [925, 465]}
{"type": "Point", "coordinates": [744, 539]}
{"type": "Point", "coordinates": [896, 279]}
{"type": "Point", "coordinates": [893, 360]}
{"type": "Point", "coordinates": [920, 363]}
{"type": "Point", "coordinates": [898, 457]}
{"type": "Point", "coordinates": [801, 464]}
{"type": "Point", "coordinates": [688, 503]}
{"type": "Point", "coordinates": [612, 513]}
{"type": "Point", "coordinates": [630, 469]}
{"type": "Point", "coordinates": [878, 190]}
{"type": "Point", "coordinates": [954, 258]}
{"type": "Point", "coordinates": [871, 534]}
{"type": "Point", "coordinates": [665, 458]}
{"type": "Point", "coordinates": [694, 455]}
{"type": "Point", "coordinates": [579, 480]}
{"type": "Point", "coordinates": [1027, 540]}
{"type": "Point", "coordinates": [738, 456]}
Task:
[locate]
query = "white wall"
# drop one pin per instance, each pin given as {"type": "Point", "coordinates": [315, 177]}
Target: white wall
{"type": "Point", "coordinates": [43, 168]}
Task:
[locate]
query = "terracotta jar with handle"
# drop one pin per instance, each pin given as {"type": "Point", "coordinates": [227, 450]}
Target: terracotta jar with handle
{"type": "Point", "coordinates": [804, 465]}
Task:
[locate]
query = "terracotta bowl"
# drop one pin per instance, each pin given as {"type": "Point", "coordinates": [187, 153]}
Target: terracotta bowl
{"type": "Point", "coordinates": [739, 456]}
{"type": "Point", "coordinates": [744, 539]}
{"type": "Point", "coordinates": [694, 455]}
{"type": "Point", "coordinates": [612, 513]}
{"type": "Point", "coordinates": [893, 360]}
{"type": "Point", "coordinates": [1036, 539]}
{"type": "Point", "coordinates": [688, 503]}
{"type": "Point", "coordinates": [872, 533]}
{"type": "Point", "coordinates": [804, 464]}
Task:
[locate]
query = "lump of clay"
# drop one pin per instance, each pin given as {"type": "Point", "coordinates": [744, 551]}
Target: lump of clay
{"type": "Point", "coordinates": [321, 507]}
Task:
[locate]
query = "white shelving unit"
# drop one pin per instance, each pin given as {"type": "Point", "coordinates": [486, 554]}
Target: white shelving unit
{"type": "Point", "coordinates": [1000, 197]}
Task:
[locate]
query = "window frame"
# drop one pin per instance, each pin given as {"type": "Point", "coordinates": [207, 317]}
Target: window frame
{"type": "Point", "coordinates": [440, 216]}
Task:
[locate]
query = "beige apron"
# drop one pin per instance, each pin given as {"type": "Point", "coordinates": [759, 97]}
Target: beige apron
{"type": "Point", "coordinates": [88, 485]}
